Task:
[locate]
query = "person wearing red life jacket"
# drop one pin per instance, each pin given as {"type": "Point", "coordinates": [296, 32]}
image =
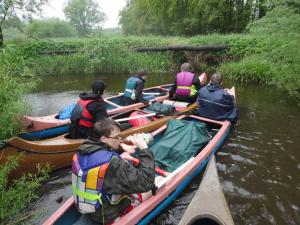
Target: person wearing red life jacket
{"type": "Point", "coordinates": [105, 186]}
{"type": "Point", "coordinates": [186, 85]}
{"type": "Point", "coordinates": [89, 109]}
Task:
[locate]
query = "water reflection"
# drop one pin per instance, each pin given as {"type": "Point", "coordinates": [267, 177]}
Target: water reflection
{"type": "Point", "coordinates": [259, 164]}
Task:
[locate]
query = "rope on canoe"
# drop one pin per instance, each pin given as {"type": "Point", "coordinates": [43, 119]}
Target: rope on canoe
{"type": "Point", "coordinates": [37, 152]}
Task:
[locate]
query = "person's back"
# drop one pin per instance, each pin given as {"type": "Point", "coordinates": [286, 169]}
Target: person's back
{"type": "Point", "coordinates": [186, 85]}
{"type": "Point", "coordinates": [105, 184]}
{"type": "Point", "coordinates": [215, 103]}
{"type": "Point", "coordinates": [89, 109]}
{"type": "Point", "coordinates": [134, 89]}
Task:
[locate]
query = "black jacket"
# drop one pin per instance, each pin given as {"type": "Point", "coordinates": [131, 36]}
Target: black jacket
{"type": "Point", "coordinates": [215, 103]}
{"type": "Point", "coordinates": [96, 108]}
{"type": "Point", "coordinates": [121, 178]}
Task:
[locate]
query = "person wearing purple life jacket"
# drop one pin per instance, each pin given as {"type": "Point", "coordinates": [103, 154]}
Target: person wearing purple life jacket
{"type": "Point", "coordinates": [186, 85]}
{"type": "Point", "coordinates": [105, 185]}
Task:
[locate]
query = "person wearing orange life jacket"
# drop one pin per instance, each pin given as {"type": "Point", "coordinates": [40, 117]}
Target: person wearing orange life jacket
{"type": "Point", "coordinates": [186, 85]}
{"type": "Point", "coordinates": [105, 185]}
{"type": "Point", "coordinates": [89, 109]}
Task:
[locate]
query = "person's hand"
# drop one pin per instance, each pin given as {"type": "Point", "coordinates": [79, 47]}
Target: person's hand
{"type": "Point", "coordinates": [128, 148]}
{"type": "Point", "coordinates": [138, 141]}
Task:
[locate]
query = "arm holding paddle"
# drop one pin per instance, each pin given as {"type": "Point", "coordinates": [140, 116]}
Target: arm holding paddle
{"type": "Point", "coordinates": [123, 177]}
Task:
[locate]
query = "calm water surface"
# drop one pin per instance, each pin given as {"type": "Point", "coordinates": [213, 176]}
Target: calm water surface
{"type": "Point", "coordinates": [259, 165]}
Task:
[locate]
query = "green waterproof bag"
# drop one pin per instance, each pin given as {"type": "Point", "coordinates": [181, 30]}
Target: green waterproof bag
{"type": "Point", "coordinates": [182, 140]}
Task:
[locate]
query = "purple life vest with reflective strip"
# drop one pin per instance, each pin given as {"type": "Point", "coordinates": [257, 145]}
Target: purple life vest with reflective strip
{"type": "Point", "coordinates": [184, 81]}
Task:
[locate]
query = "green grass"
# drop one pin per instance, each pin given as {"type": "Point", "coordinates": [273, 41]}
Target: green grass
{"type": "Point", "coordinates": [16, 194]}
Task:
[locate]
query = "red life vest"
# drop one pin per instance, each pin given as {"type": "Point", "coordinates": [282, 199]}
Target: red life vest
{"type": "Point", "coordinates": [86, 118]}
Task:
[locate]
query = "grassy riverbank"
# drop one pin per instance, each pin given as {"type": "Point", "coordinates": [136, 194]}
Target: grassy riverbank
{"type": "Point", "coordinates": [269, 53]}
{"type": "Point", "coordinates": [16, 79]}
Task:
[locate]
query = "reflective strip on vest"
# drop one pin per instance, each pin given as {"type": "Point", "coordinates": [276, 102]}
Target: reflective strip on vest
{"type": "Point", "coordinates": [184, 87]}
{"type": "Point", "coordinates": [89, 196]}
{"type": "Point", "coordinates": [129, 89]}
{"type": "Point", "coordinates": [192, 89]}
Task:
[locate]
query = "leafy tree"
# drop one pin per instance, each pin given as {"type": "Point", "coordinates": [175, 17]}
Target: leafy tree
{"type": "Point", "coordinates": [15, 8]}
{"type": "Point", "coordinates": [50, 28]}
{"type": "Point", "coordinates": [192, 17]}
{"type": "Point", "coordinates": [84, 15]}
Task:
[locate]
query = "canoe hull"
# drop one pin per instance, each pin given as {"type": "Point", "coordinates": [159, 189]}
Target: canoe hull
{"type": "Point", "coordinates": [144, 213]}
{"type": "Point", "coordinates": [32, 123]}
{"type": "Point", "coordinates": [58, 151]}
{"type": "Point", "coordinates": [209, 203]}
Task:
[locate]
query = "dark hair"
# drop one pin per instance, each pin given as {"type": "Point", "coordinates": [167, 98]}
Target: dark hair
{"type": "Point", "coordinates": [216, 79]}
{"type": "Point", "coordinates": [104, 128]}
{"type": "Point", "coordinates": [98, 87]}
{"type": "Point", "coordinates": [142, 72]}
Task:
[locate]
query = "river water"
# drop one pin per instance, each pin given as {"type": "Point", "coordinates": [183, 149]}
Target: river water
{"type": "Point", "coordinates": [259, 164]}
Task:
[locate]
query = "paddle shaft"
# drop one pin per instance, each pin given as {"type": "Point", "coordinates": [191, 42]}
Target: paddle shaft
{"type": "Point", "coordinates": [147, 93]}
{"type": "Point", "coordinates": [174, 173]}
{"type": "Point", "coordinates": [135, 117]}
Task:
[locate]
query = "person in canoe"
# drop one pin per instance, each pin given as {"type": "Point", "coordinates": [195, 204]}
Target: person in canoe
{"type": "Point", "coordinates": [186, 85]}
{"type": "Point", "coordinates": [134, 89]}
{"type": "Point", "coordinates": [89, 109]}
{"type": "Point", "coordinates": [104, 185]}
{"type": "Point", "coordinates": [215, 102]}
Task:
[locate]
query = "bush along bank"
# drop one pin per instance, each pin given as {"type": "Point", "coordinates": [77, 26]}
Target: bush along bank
{"type": "Point", "coordinates": [16, 194]}
{"type": "Point", "coordinates": [104, 55]}
{"type": "Point", "coordinates": [278, 65]}
{"type": "Point", "coordinates": [15, 80]}
{"type": "Point", "coordinates": [268, 53]}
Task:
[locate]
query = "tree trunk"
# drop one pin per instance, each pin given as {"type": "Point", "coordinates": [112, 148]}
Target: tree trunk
{"type": "Point", "coordinates": [1, 37]}
{"type": "Point", "coordinates": [218, 47]}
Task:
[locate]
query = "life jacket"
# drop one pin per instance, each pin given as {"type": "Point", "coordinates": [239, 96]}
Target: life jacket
{"type": "Point", "coordinates": [130, 87]}
{"type": "Point", "coordinates": [88, 174]}
{"type": "Point", "coordinates": [185, 85]}
{"type": "Point", "coordinates": [81, 115]}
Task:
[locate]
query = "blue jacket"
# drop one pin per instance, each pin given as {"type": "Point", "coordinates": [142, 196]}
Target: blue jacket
{"type": "Point", "coordinates": [215, 103]}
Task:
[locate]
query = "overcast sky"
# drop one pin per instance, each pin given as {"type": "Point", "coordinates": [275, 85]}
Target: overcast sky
{"type": "Point", "coordinates": [110, 7]}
